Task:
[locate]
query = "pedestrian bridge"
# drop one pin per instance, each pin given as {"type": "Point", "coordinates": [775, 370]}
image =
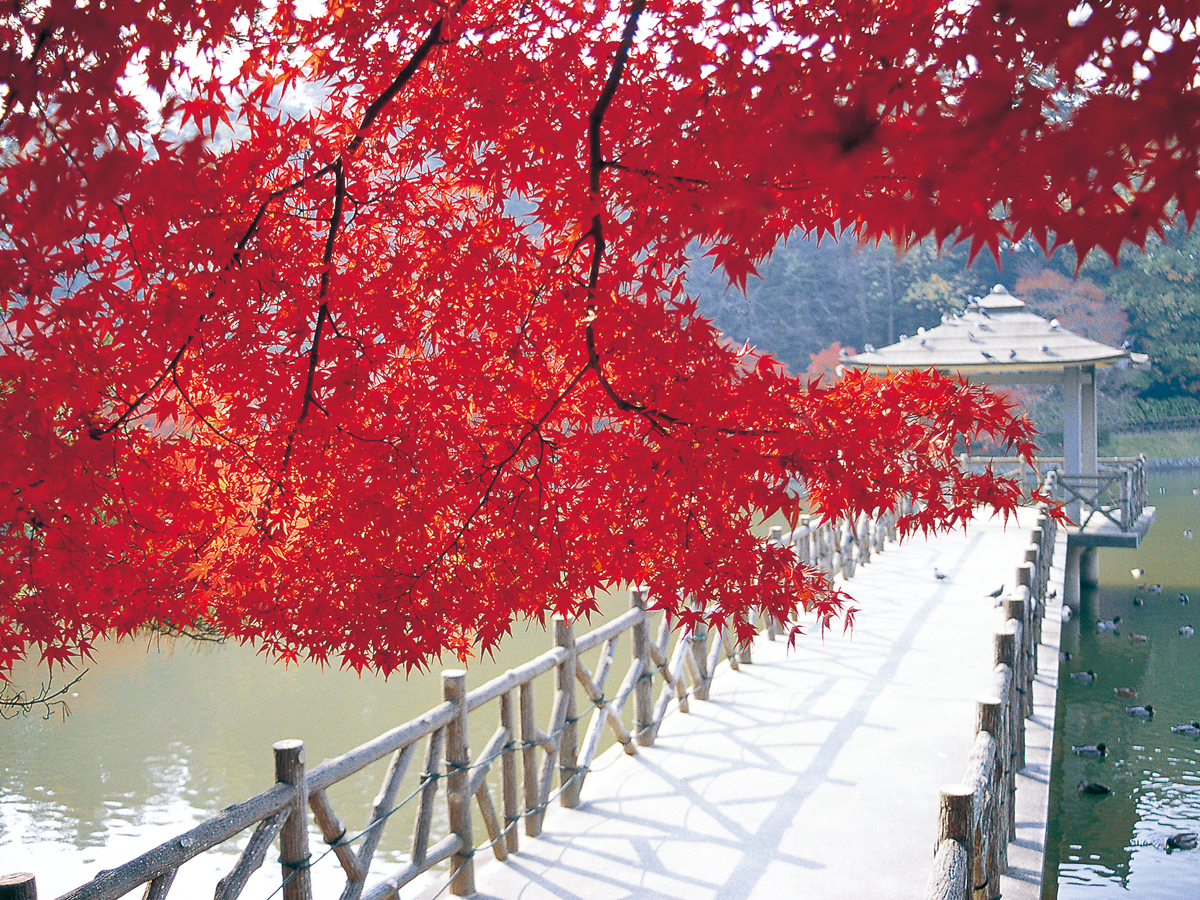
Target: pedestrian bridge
{"type": "Point", "coordinates": [840, 765]}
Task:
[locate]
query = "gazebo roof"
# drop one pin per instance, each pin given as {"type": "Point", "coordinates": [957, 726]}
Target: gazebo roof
{"type": "Point", "coordinates": [996, 334]}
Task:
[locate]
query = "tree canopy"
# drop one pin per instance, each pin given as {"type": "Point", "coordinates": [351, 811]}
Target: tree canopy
{"type": "Point", "coordinates": [358, 329]}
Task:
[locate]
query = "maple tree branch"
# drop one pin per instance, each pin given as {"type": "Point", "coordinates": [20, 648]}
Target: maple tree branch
{"type": "Point", "coordinates": [15, 702]}
{"type": "Point", "coordinates": [96, 432]}
{"type": "Point", "coordinates": [691, 183]}
{"type": "Point", "coordinates": [497, 469]}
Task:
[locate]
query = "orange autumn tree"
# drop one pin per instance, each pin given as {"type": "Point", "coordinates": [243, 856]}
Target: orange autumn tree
{"type": "Point", "coordinates": [357, 330]}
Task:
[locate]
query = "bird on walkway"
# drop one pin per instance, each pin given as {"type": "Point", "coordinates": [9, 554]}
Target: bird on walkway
{"type": "Point", "coordinates": [1141, 712]}
{"type": "Point", "coordinates": [1086, 677]}
{"type": "Point", "coordinates": [1138, 638]}
{"type": "Point", "coordinates": [1108, 624]}
{"type": "Point", "coordinates": [997, 592]}
{"type": "Point", "coordinates": [1093, 787]}
{"type": "Point", "coordinates": [1187, 630]}
{"type": "Point", "coordinates": [940, 576]}
{"type": "Point", "coordinates": [1190, 729]}
{"type": "Point", "coordinates": [1131, 693]}
{"type": "Point", "coordinates": [1100, 749]}
{"type": "Point", "coordinates": [1184, 840]}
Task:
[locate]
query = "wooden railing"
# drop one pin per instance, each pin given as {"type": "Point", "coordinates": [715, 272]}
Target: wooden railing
{"type": "Point", "coordinates": [1117, 492]}
{"type": "Point", "coordinates": [529, 759]}
{"type": "Point", "coordinates": [977, 818]}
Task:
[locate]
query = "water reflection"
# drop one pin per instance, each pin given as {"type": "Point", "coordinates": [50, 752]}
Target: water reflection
{"type": "Point", "coordinates": [1117, 842]}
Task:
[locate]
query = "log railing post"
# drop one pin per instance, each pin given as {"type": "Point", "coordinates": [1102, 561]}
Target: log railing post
{"type": "Point", "coordinates": [955, 823]}
{"type": "Point", "coordinates": [699, 648]}
{"type": "Point", "coordinates": [643, 694]}
{"type": "Point", "coordinates": [18, 886]}
{"type": "Point", "coordinates": [568, 741]}
{"type": "Point", "coordinates": [458, 776]}
{"type": "Point", "coordinates": [508, 773]}
{"type": "Point", "coordinates": [529, 773]}
{"type": "Point", "coordinates": [989, 717]}
{"type": "Point", "coordinates": [293, 838]}
{"type": "Point", "coordinates": [1013, 720]}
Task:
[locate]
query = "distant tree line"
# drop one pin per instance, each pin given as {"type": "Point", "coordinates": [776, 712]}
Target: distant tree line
{"type": "Point", "coordinates": [813, 296]}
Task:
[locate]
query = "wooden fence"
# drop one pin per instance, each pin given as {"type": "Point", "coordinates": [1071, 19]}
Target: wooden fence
{"type": "Point", "coordinates": [977, 818]}
{"type": "Point", "coordinates": [529, 759]}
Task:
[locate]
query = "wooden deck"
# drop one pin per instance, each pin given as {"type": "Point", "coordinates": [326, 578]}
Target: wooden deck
{"type": "Point", "coordinates": [813, 773]}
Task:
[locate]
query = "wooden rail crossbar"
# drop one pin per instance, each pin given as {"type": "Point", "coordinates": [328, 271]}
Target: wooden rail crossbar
{"type": "Point", "coordinates": [529, 758]}
{"type": "Point", "coordinates": [977, 817]}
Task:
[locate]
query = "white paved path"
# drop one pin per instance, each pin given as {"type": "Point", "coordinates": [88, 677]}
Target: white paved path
{"type": "Point", "coordinates": [811, 773]}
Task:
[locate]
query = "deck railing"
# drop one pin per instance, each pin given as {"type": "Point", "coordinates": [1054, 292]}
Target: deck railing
{"type": "Point", "coordinates": [1117, 492]}
{"type": "Point", "coordinates": [977, 818]}
{"type": "Point", "coordinates": [529, 759]}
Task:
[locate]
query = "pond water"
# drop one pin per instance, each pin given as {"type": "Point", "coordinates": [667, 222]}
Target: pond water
{"type": "Point", "coordinates": [1101, 846]}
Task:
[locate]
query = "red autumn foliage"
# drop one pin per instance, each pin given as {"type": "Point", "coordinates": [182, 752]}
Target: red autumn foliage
{"type": "Point", "coordinates": [361, 331]}
{"type": "Point", "coordinates": [1077, 303]}
{"type": "Point", "coordinates": [824, 363]}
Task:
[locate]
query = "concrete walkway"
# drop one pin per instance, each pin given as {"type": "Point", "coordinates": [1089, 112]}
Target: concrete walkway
{"type": "Point", "coordinates": [812, 773]}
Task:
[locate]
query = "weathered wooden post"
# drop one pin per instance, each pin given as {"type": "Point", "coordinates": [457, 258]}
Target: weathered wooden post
{"type": "Point", "coordinates": [568, 741]}
{"type": "Point", "coordinates": [458, 800]}
{"type": "Point", "coordinates": [293, 838]}
{"type": "Point", "coordinates": [508, 773]}
{"type": "Point", "coordinates": [1014, 721]}
{"type": "Point", "coordinates": [955, 815]}
{"type": "Point", "coordinates": [643, 694]}
{"type": "Point", "coordinates": [699, 648]}
{"type": "Point", "coordinates": [529, 744]}
{"type": "Point", "coordinates": [989, 719]}
{"type": "Point", "coordinates": [18, 886]}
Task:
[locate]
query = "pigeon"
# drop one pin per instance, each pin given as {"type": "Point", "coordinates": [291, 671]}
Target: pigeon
{"type": "Point", "coordinates": [1086, 677]}
{"type": "Point", "coordinates": [1191, 729]}
{"type": "Point", "coordinates": [1184, 599]}
{"type": "Point", "coordinates": [1154, 588]}
{"type": "Point", "coordinates": [1141, 712]}
{"type": "Point", "coordinates": [997, 592]}
{"type": "Point", "coordinates": [1108, 624]}
{"type": "Point", "coordinates": [1012, 354]}
{"type": "Point", "coordinates": [1137, 573]}
{"type": "Point", "coordinates": [938, 575]}
{"type": "Point", "coordinates": [1187, 630]}
{"type": "Point", "coordinates": [1091, 750]}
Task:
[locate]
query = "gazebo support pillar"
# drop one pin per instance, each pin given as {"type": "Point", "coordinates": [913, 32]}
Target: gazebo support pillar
{"type": "Point", "coordinates": [1071, 576]}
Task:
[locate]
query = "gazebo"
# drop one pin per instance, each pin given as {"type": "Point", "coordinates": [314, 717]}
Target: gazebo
{"type": "Point", "coordinates": [998, 340]}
